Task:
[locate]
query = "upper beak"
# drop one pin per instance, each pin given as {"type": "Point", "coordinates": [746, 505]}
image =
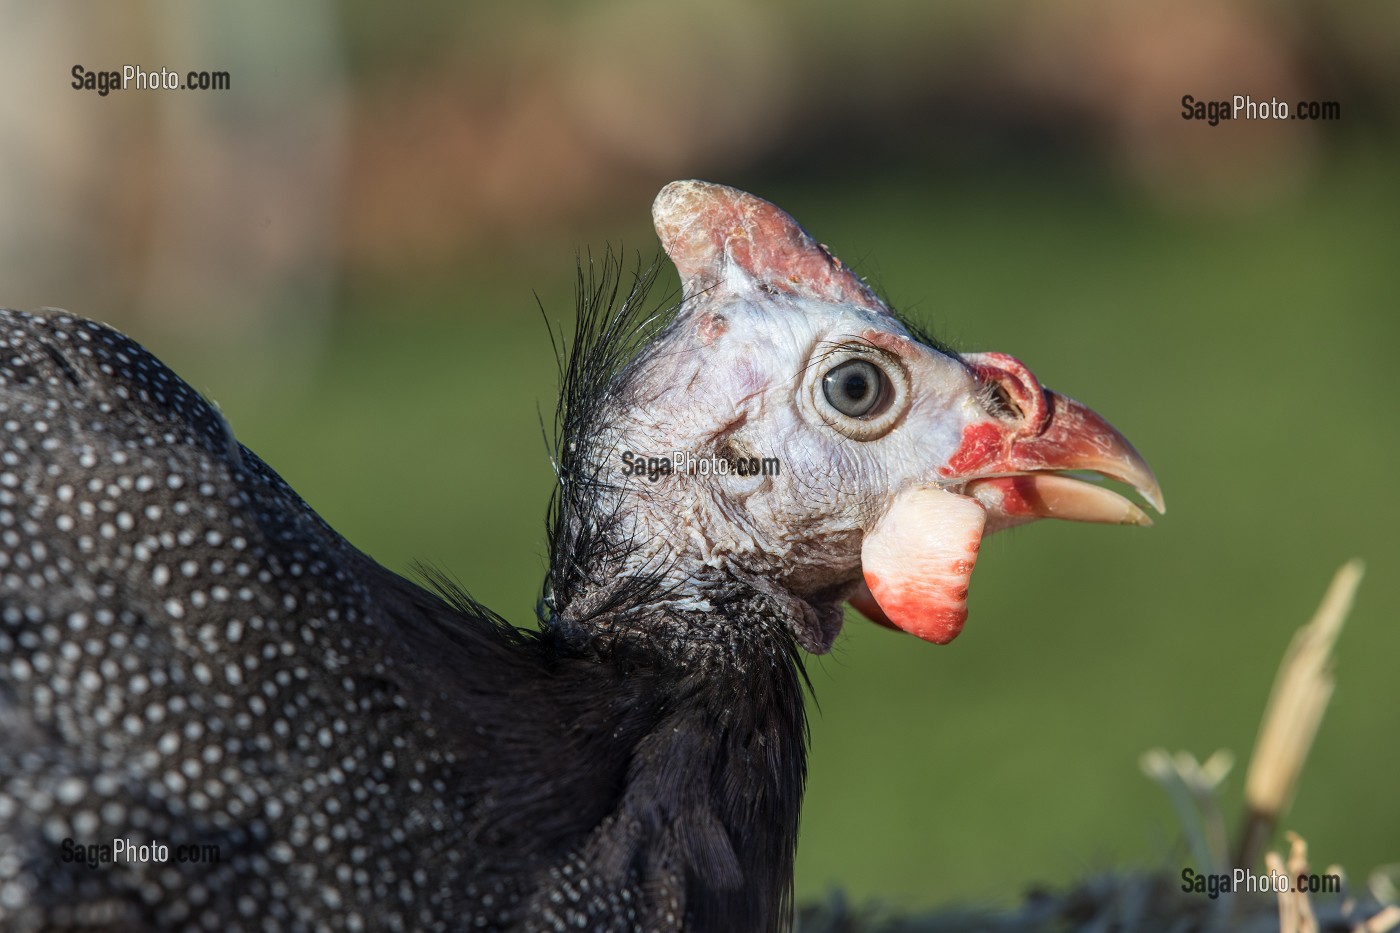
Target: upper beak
{"type": "Point", "coordinates": [1011, 466]}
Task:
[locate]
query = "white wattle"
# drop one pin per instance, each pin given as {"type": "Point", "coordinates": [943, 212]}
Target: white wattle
{"type": "Point", "coordinates": [918, 560]}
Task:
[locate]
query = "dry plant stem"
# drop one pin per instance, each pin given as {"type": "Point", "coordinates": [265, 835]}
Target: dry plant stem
{"type": "Point", "coordinates": [1287, 916]}
{"type": "Point", "coordinates": [1297, 866]}
{"type": "Point", "coordinates": [1294, 907]}
{"type": "Point", "coordinates": [1292, 716]}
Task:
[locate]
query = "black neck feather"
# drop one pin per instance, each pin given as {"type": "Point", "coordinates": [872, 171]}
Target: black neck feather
{"type": "Point", "coordinates": [665, 747]}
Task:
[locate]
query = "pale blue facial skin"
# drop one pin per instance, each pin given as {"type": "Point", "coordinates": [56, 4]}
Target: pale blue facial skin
{"type": "Point", "coordinates": [740, 372]}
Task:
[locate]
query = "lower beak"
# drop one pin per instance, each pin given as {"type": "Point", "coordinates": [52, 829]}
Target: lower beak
{"type": "Point", "coordinates": [1015, 500]}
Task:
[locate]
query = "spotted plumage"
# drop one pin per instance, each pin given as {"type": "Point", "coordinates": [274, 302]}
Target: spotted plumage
{"type": "Point", "coordinates": [190, 656]}
{"type": "Point", "coordinates": [191, 659]}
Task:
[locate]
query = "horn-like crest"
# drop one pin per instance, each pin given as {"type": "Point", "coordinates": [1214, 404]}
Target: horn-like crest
{"type": "Point", "coordinates": [712, 232]}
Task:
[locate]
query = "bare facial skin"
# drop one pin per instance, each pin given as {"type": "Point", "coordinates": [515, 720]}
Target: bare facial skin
{"type": "Point", "coordinates": [895, 456]}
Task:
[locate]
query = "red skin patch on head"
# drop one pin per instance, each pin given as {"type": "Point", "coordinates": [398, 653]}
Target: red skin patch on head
{"type": "Point", "coordinates": [898, 344]}
{"type": "Point", "coordinates": [982, 443]}
{"type": "Point", "coordinates": [711, 326]}
{"type": "Point", "coordinates": [1018, 495]}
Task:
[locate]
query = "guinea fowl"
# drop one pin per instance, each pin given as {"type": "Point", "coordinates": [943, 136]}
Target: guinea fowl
{"type": "Point", "coordinates": [192, 661]}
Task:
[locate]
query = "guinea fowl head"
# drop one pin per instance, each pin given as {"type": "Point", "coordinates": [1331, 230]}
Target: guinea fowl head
{"type": "Point", "coordinates": [787, 435]}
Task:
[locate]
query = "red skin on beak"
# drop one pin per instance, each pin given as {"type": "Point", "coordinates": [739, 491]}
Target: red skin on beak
{"type": "Point", "coordinates": [1046, 432]}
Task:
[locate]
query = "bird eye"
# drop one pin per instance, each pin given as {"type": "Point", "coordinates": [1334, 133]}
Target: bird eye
{"type": "Point", "coordinates": [855, 387]}
{"type": "Point", "coordinates": [863, 395]}
{"type": "Point", "coordinates": [856, 390]}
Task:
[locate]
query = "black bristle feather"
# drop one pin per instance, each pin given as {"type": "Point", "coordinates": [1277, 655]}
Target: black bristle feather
{"type": "Point", "coordinates": [610, 329]}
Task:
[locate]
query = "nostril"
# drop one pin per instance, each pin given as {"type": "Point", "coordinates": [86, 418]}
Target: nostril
{"type": "Point", "coordinates": [1000, 403]}
{"type": "Point", "coordinates": [1010, 390]}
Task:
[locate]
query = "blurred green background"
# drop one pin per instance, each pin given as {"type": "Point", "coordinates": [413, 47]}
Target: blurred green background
{"type": "Point", "coordinates": [346, 250]}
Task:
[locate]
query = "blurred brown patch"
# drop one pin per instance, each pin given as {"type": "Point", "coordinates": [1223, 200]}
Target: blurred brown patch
{"type": "Point", "coordinates": [1125, 68]}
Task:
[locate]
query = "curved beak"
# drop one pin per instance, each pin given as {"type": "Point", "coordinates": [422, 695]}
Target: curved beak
{"type": "Point", "coordinates": [1014, 467]}
{"type": "Point", "coordinates": [1027, 483]}
{"type": "Point", "coordinates": [917, 560]}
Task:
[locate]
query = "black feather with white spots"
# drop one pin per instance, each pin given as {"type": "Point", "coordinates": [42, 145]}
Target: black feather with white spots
{"type": "Point", "coordinates": [188, 659]}
{"type": "Point", "coordinates": [190, 656]}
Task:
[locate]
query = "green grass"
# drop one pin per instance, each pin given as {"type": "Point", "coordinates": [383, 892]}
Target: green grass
{"type": "Point", "coordinates": [1251, 359]}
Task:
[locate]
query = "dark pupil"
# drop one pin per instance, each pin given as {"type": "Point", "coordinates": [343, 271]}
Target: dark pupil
{"type": "Point", "coordinates": [853, 388]}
